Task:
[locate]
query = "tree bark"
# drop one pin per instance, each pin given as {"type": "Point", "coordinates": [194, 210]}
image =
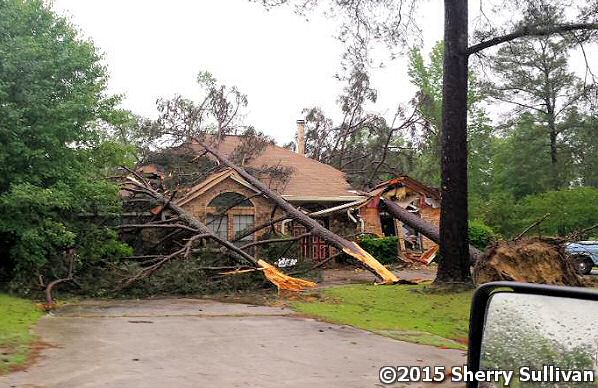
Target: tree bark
{"type": "Point", "coordinates": [349, 247]}
{"type": "Point", "coordinates": [427, 229]}
{"type": "Point", "coordinates": [454, 248]}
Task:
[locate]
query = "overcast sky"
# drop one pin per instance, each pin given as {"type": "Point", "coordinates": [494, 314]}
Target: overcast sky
{"type": "Point", "coordinates": [281, 61]}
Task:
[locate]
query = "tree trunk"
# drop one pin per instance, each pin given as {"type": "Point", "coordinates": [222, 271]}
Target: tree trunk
{"type": "Point", "coordinates": [427, 229]}
{"type": "Point", "coordinates": [349, 247]}
{"type": "Point", "coordinates": [454, 248]}
{"type": "Point", "coordinates": [553, 155]}
{"type": "Point", "coordinates": [278, 278]}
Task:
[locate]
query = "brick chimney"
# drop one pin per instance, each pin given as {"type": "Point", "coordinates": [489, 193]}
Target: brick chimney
{"type": "Point", "coordinates": [301, 137]}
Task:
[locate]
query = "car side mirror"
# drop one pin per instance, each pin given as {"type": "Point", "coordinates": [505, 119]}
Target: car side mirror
{"type": "Point", "coordinates": [536, 334]}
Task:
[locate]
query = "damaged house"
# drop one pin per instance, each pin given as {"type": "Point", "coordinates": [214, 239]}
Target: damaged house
{"type": "Point", "coordinates": [309, 185]}
{"type": "Point", "coordinates": [228, 204]}
{"type": "Point", "coordinates": [417, 198]}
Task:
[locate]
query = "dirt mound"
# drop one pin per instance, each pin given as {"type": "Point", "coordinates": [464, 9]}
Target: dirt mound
{"type": "Point", "coordinates": [533, 260]}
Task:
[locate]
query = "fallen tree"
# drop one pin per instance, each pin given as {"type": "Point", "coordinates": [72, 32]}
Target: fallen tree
{"type": "Point", "coordinates": [429, 230]}
{"type": "Point", "coordinates": [349, 247]}
{"type": "Point", "coordinates": [137, 184]}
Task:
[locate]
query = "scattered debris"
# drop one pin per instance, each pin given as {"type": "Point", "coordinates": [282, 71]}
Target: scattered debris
{"type": "Point", "coordinates": [429, 230]}
{"type": "Point", "coordinates": [142, 186]}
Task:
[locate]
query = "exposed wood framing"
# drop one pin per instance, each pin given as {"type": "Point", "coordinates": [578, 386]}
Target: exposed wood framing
{"type": "Point", "coordinates": [429, 230]}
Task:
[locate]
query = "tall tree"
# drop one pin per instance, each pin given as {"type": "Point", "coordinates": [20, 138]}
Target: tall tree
{"type": "Point", "coordinates": [365, 22]}
{"type": "Point", "coordinates": [532, 75]}
{"type": "Point", "coordinates": [53, 147]}
{"type": "Point", "coordinates": [521, 162]}
{"type": "Point", "coordinates": [427, 77]}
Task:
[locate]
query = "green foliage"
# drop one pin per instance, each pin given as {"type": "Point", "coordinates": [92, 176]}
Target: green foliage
{"type": "Point", "coordinates": [570, 210]}
{"type": "Point", "coordinates": [54, 149]}
{"type": "Point", "coordinates": [383, 249]}
{"type": "Point", "coordinates": [177, 277]}
{"type": "Point", "coordinates": [427, 77]}
{"type": "Point", "coordinates": [581, 131]}
{"type": "Point", "coordinates": [522, 160]}
{"type": "Point", "coordinates": [481, 235]}
{"type": "Point", "coordinates": [499, 211]}
{"type": "Point", "coordinates": [407, 313]}
{"type": "Point", "coordinates": [16, 318]}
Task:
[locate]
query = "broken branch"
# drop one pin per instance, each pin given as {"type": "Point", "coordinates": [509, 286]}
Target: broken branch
{"type": "Point", "coordinates": [536, 223]}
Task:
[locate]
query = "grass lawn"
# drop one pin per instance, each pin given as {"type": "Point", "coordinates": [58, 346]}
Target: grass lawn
{"type": "Point", "coordinates": [16, 317]}
{"type": "Point", "coordinates": [407, 313]}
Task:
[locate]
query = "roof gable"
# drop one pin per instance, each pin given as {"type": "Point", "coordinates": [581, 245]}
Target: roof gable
{"type": "Point", "coordinates": [309, 179]}
{"type": "Point", "coordinates": [212, 181]}
{"type": "Point", "coordinates": [408, 182]}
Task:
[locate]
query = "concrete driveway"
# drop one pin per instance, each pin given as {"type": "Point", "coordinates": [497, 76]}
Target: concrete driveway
{"type": "Point", "coordinates": [200, 343]}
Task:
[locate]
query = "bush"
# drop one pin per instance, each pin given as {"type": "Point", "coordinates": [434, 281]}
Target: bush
{"type": "Point", "coordinates": [383, 249]}
{"type": "Point", "coordinates": [481, 235]}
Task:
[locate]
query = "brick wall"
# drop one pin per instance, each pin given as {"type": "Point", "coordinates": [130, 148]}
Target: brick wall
{"type": "Point", "coordinates": [262, 206]}
{"type": "Point", "coordinates": [371, 217]}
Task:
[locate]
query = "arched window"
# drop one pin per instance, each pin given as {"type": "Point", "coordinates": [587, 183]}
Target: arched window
{"type": "Point", "coordinates": [229, 200]}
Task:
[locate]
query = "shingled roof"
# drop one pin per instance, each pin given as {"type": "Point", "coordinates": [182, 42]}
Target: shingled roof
{"type": "Point", "coordinates": [309, 180]}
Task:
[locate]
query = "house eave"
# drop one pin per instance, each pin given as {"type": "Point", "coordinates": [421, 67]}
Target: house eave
{"type": "Point", "coordinates": [342, 198]}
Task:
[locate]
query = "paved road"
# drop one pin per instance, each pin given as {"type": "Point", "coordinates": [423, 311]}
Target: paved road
{"type": "Point", "coordinates": [199, 343]}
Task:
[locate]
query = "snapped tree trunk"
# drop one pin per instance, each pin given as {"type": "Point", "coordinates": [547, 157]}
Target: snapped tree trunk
{"type": "Point", "coordinates": [349, 247]}
{"type": "Point", "coordinates": [278, 278]}
{"type": "Point", "coordinates": [427, 229]}
{"type": "Point", "coordinates": [454, 248]}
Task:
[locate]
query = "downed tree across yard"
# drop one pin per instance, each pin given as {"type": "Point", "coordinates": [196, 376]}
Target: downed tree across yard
{"type": "Point", "coordinates": [429, 230]}
{"type": "Point", "coordinates": [141, 186]}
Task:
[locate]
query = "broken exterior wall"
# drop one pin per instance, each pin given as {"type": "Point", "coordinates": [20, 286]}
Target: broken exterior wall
{"type": "Point", "coordinates": [431, 215]}
{"type": "Point", "coordinates": [429, 210]}
{"type": "Point", "coordinates": [371, 218]}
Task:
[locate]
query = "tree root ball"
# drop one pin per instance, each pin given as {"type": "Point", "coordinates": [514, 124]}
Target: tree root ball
{"type": "Point", "coordinates": [535, 260]}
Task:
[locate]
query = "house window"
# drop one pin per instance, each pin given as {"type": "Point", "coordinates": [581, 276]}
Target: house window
{"type": "Point", "coordinates": [239, 215]}
{"type": "Point", "coordinates": [218, 225]}
{"type": "Point", "coordinates": [242, 222]}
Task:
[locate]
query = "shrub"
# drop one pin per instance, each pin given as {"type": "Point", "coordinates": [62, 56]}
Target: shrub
{"type": "Point", "coordinates": [481, 235]}
{"type": "Point", "coordinates": [383, 249]}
